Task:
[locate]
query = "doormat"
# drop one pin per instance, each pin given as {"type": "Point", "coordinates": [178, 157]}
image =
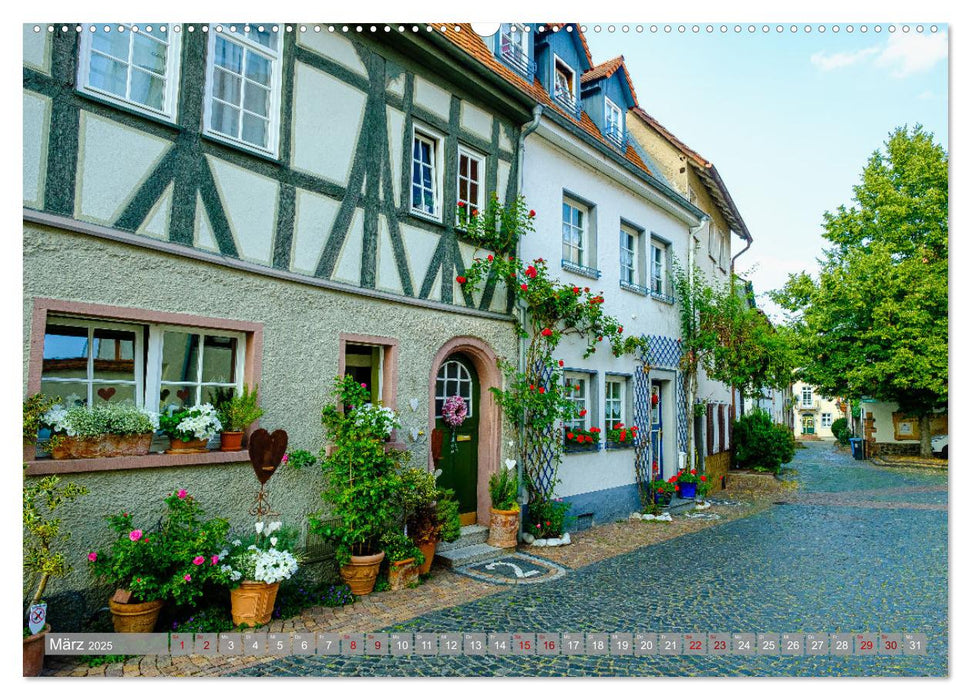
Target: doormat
{"type": "Point", "coordinates": [514, 568]}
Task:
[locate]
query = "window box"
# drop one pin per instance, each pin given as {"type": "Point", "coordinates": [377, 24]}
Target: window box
{"type": "Point", "coordinates": [43, 467]}
{"type": "Point", "coordinates": [666, 298]}
{"type": "Point", "coordinates": [635, 288]}
{"type": "Point", "coordinates": [583, 270]}
{"type": "Point", "coordinates": [101, 446]}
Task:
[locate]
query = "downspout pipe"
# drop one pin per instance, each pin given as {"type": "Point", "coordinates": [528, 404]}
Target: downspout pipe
{"type": "Point", "coordinates": [731, 287]}
{"type": "Point", "coordinates": [526, 130]}
{"type": "Point", "coordinates": [692, 447]}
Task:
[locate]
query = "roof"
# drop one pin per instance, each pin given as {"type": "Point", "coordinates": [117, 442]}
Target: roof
{"type": "Point", "coordinates": [607, 69]}
{"type": "Point", "coordinates": [473, 45]}
{"type": "Point", "coordinates": [707, 172]}
{"type": "Point", "coordinates": [557, 26]}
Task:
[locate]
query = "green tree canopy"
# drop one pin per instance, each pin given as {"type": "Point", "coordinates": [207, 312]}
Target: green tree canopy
{"type": "Point", "coordinates": [874, 323]}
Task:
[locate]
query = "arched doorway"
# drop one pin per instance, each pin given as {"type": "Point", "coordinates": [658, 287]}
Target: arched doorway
{"type": "Point", "coordinates": [459, 453]}
{"type": "Point", "coordinates": [808, 424]}
{"type": "Point", "coordinates": [479, 361]}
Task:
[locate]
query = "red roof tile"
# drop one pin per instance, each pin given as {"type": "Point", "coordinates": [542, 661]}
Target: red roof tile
{"type": "Point", "coordinates": [607, 69]}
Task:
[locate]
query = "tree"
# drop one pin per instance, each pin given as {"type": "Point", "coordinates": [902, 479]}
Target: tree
{"type": "Point", "coordinates": [875, 321]}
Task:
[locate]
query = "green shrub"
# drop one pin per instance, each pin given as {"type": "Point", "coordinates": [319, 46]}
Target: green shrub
{"type": "Point", "coordinates": [761, 444]}
{"type": "Point", "coordinates": [448, 515]}
{"type": "Point", "coordinates": [238, 412]}
{"type": "Point", "coordinates": [841, 431]}
{"type": "Point", "coordinates": [547, 518]}
{"type": "Point", "coordinates": [504, 489]}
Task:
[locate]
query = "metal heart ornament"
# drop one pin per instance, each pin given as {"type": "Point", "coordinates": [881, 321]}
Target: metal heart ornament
{"type": "Point", "coordinates": [266, 452]}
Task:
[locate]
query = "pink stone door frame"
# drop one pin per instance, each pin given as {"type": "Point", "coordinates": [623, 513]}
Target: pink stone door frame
{"type": "Point", "coordinates": [490, 419]}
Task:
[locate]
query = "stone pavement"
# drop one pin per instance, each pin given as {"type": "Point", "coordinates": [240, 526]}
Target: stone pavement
{"type": "Point", "coordinates": [856, 549]}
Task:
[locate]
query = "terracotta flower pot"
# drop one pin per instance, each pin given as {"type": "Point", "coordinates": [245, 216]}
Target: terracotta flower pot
{"type": "Point", "coordinates": [503, 528]}
{"type": "Point", "coordinates": [180, 447]}
{"type": "Point", "coordinates": [34, 652]}
{"type": "Point", "coordinates": [428, 549]}
{"type": "Point", "coordinates": [402, 574]}
{"type": "Point", "coordinates": [135, 617]}
{"type": "Point", "coordinates": [101, 446]}
{"type": "Point", "coordinates": [252, 602]}
{"type": "Point", "coordinates": [231, 442]}
{"type": "Point", "coordinates": [361, 573]}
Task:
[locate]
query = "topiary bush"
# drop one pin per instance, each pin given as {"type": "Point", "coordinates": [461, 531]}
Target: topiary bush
{"type": "Point", "coordinates": [841, 431]}
{"type": "Point", "coordinates": [761, 444]}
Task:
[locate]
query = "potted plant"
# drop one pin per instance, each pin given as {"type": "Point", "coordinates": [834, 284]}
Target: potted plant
{"type": "Point", "coordinates": [419, 498]}
{"type": "Point", "coordinates": [42, 539]}
{"type": "Point", "coordinates": [172, 561]}
{"type": "Point", "coordinates": [504, 514]}
{"type": "Point", "coordinates": [404, 557]}
{"type": "Point", "coordinates": [35, 407]}
{"type": "Point", "coordinates": [362, 483]}
{"type": "Point", "coordinates": [107, 430]}
{"type": "Point", "coordinates": [663, 491]}
{"type": "Point", "coordinates": [191, 428]}
{"type": "Point", "coordinates": [689, 483]}
{"type": "Point", "coordinates": [622, 436]}
{"type": "Point", "coordinates": [236, 415]}
{"type": "Point", "coordinates": [254, 566]}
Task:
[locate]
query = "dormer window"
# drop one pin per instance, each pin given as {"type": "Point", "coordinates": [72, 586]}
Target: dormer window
{"type": "Point", "coordinates": [514, 48]}
{"type": "Point", "coordinates": [564, 85]}
{"type": "Point", "coordinates": [615, 123]}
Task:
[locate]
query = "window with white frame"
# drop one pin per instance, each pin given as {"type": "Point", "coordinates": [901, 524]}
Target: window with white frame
{"type": "Point", "coordinates": [243, 84]}
{"type": "Point", "coordinates": [659, 271]}
{"type": "Point", "coordinates": [724, 249]}
{"type": "Point", "coordinates": [426, 173]}
{"type": "Point", "coordinates": [615, 401]}
{"type": "Point", "coordinates": [615, 121]}
{"type": "Point", "coordinates": [471, 172]}
{"type": "Point", "coordinates": [564, 83]}
{"type": "Point", "coordinates": [453, 379]}
{"type": "Point", "coordinates": [131, 66]}
{"type": "Point", "coordinates": [574, 231]}
{"type": "Point", "coordinates": [807, 396]}
{"type": "Point", "coordinates": [514, 46]}
{"type": "Point", "coordinates": [826, 420]}
{"type": "Point", "coordinates": [629, 258]}
{"type": "Point", "coordinates": [88, 361]}
{"type": "Point", "coordinates": [578, 392]}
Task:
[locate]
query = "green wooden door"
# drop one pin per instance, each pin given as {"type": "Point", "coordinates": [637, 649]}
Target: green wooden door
{"type": "Point", "coordinates": [808, 425]}
{"type": "Point", "coordinates": [460, 452]}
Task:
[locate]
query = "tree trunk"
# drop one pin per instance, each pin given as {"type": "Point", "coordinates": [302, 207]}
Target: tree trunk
{"type": "Point", "coordinates": [925, 435]}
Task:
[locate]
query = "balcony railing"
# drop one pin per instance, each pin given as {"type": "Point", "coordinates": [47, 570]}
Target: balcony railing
{"type": "Point", "coordinates": [617, 135]}
{"type": "Point", "coordinates": [811, 405]}
{"type": "Point", "coordinates": [567, 100]}
{"type": "Point", "coordinates": [512, 53]}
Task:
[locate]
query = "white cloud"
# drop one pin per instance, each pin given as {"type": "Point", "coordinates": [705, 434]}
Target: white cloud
{"type": "Point", "coordinates": [903, 54]}
{"type": "Point", "coordinates": [906, 54]}
{"type": "Point", "coordinates": [825, 61]}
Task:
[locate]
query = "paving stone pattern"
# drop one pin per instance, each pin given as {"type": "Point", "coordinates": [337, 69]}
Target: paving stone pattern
{"type": "Point", "coordinates": [850, 553]}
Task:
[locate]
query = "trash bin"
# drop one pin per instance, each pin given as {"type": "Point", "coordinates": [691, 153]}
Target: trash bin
{"type": "Point", "coordinates": [856, 444]}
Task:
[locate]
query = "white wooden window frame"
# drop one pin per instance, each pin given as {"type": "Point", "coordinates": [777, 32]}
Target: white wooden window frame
{"type": "Point", "coordinates": [437, 142]}
{"type": "Point", "coordinates": [560, 65]}
{"type": "Point", "coordinates": [465, 152]}
{"type": "Point", "coordinates": [275, 57]}
{"type": "Point", "coordinates": [807, 392]}
{"type": "Point", "coordinates": [153, 377]}
{"type": "Point", "coordinates": [826, 420]}
{"type": "Point", "coordinates": [88, 379]}
{"type": "Point", "coordinates": [173, 59]}
{"type": "Point", "coordinates": [619, 401]}
{"type": "Point", "coordinates": [659, 265]}
{"type": "Point", "coordinates": [581, 401]}
{"type": "Point", "coordinates": [630, 254]}
{"type": "Point", "coordinates": [516, 35]}
{"type": "Point", "coordinates": [569, 249]}
{"type": "Point", "coordinates": [614, 115]}
{"type": "Point", "coordinates": [464, 380]}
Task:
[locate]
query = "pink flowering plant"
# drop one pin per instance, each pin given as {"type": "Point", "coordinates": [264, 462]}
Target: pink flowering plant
{"type": "Point", "coordinates": [170, 560]}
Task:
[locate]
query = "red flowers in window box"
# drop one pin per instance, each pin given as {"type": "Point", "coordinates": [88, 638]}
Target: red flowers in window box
{"type": "Point", "coordinates": [576, 290]}
{"type": "Point", "coordinates": [461, 203]}
{"type": "Point", "coordinates": [583, 413]}
{"type": "Point", "coordinates": [581, 437]}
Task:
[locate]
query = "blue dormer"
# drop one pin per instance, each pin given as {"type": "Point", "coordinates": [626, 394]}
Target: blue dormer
{"type": "Point", "coordinates": [561, 58]}
{"type": "Point", "coordinates": [514, 47]}
{"type": "Point", "coordinates": [607, 94]}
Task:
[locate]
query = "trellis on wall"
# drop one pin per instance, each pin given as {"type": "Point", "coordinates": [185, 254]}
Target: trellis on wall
{"type": "Point", "coordinates": [542, 457]}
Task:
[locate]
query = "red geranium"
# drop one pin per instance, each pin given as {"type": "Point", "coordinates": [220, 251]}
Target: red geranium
{"type": "Point", "coordinates": [524, 287]}
{"type": "Point", "coordinates": [461, 280]}
{"type": "Point", "coordinates": [546, 332]}
{"type": "Point", "coordinates": [532, 213]}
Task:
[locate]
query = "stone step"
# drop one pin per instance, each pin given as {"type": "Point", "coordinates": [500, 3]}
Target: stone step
{"type": "Point", "coordinates": [471, 554]}
{"type": "Point", "coordinates": [470, 534]}
{"type": "Point", "coordinates": [679, 505]}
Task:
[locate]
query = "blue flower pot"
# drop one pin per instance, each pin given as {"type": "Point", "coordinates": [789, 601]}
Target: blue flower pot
{"type": "Point", "coordinates": [688, 490]}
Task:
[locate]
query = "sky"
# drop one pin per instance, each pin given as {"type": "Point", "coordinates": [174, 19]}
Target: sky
{"type": "Point", "coordinates": [788, 119]}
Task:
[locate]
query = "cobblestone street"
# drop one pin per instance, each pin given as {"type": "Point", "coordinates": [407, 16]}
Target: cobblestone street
{"type": "Point", "coordinates": [856, 549]}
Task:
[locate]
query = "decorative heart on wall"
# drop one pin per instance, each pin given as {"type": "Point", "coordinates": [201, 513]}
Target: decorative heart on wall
{"type": "Point", "coordinates": [165, 394]}
{"type": "Point", "coordinates": [414, 404]}
{"type": "Point", "coordinates": [266, 452]}
{"type": "Point", "coordinates": [106, 392]}
{"type": "Point", "coordinates": [183, 394]}
{"type": "Point", "coordinates": [415, 432]}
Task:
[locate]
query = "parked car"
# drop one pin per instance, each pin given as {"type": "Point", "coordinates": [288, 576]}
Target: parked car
{"type": "Point", "coordinates": [939, 445]}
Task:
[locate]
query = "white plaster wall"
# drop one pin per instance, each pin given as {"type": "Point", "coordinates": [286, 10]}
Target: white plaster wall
{"type": "Point", "coordinates": [250, 203]}
{"type": "Point", "coordinates": [37, 112]}
{"type": "Point", "coordinates": [432, 97]}
{"type": "Point", "coordinates": [333, 46]}
{"type": "Point", "coordinates": [548, 172]}
{"type": "Point", "coordinates": [37, 48]}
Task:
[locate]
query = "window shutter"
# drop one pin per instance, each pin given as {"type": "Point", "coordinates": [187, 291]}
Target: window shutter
{"type": "Point", "coordinates": [721, 427]}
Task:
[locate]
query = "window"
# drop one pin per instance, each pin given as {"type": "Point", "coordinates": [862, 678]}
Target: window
{"type": "Point", "coordinates": [578, 392]}
{"type": "Point", "coordinates": [826, 420]}
{"type": "Point", "coordinates": [615, 402]}
{"type": "Point", "coordinates": [564, 90]}
{"type": "Point", "coordinates": [615, 123]}
{"type": "Point", "coordinates": [659, 254]}
{"type": "Point", "coordinates": [629, 272]}
{"type": "Point", "coordinates": [87, 362]}
{"type": "Point", "coordinates": [134, 67]}
{"type": "Point", "coordinates": [243, 79]}
{"type": "Point", "coordinates": [574, 228]}
{"type": "Point", "coordinates": [724, 249]}
{"type": "Point", "coordinates": [371, 360]}
{"type": "Point", "coordinates": [453, 380]}
{"type": "Point", "coordinates": [807, 396]}
{"type": "Point", "coordinates": [471, 173]}
{"type": "Point", "coordinates": [425, 173]}
{"type": "Point", "coordinates": [363, 363]}
{"type": "Point", "coordinates": [514, 47]}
